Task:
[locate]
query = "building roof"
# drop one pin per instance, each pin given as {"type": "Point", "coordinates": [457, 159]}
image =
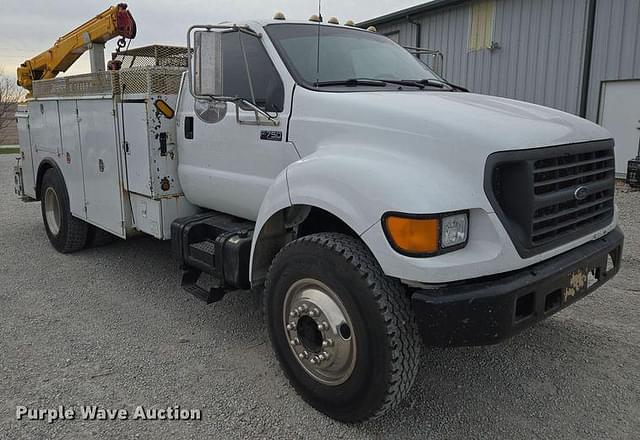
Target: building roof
{"type": "Point", "coordinates": [413, 10]}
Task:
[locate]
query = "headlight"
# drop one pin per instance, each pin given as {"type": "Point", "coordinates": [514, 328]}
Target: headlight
{"type": "Point", "coordinates": [418, 235]}
{"type": "Point", "coordinates": [454, 230]}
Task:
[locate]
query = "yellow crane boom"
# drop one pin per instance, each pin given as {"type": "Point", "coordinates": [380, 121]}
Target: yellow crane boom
{"type": "Point", "coordinates": [115, 21]}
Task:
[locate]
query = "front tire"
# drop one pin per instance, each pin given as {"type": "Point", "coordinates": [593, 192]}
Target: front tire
{"type": "Point", "coordinates": [66, 233]}
{"type": "Point", "coordinates": [343, 332]}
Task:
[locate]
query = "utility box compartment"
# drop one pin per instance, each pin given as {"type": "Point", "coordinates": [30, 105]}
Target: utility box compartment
{"type": "Point", "coordinates": [112, 135]}
{"type": "Point", "coordinates": [100, 165]}
{"type": "Point", "coordinates": [27, 175]}
{"type": "Point", "coordinates": [149, 139]}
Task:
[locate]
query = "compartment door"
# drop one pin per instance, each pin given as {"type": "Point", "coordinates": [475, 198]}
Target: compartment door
{"type": "Point", "coordinates": [136, 139]}
{"type": "Point", "coordinates": [71, 162]}
{"type": "Point", "coordinates": [24, 137]}
{"type": "Point", "coordinates": [101, 165]}
{"type": "Point", "coordinates": [44, 124]}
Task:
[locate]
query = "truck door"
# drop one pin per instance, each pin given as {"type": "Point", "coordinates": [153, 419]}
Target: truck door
{"type": "Point", "coordinates": [228, 165]}
{"type": "Point", "coordinates": [101, 170]}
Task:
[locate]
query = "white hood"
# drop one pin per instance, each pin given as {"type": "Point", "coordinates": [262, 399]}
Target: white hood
{"type": "Point", "coordinates": [477, 122]}
{"type": "Point", "coordinates": [416, 143]}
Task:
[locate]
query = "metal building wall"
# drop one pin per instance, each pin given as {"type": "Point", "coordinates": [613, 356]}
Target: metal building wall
{"type": "Point", "coordinates": [616, 47]}
{"type": "Point", "coordinates": [541, 55]}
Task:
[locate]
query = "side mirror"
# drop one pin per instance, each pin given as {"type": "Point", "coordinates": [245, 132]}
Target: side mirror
{"type": "Point", "coordinates": [207, 75]}
{"type": "Point", "coordinates": [205, 72]}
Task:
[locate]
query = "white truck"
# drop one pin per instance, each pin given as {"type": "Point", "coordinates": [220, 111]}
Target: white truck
{"type": "Point", "coordinates": [367, 200]}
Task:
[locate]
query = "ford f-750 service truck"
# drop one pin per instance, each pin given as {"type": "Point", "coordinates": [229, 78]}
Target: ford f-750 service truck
{"type": "Point", "coordinates": [367, 200]}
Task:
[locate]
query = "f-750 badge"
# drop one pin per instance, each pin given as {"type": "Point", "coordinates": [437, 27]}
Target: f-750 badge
{"type": "Point", "coordinates": [271, 135]}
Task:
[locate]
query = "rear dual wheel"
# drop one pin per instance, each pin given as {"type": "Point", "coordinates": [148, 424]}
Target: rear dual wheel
{"type": "Point", "coordinates": [66, 232]}
{"type": "Point", "coordinates": [343, 332]}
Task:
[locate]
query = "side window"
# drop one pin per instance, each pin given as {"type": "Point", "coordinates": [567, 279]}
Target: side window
{"type": "Point", "coordinates": [482, 15]}
{"type": "Point", "coordinates": [266, 83]}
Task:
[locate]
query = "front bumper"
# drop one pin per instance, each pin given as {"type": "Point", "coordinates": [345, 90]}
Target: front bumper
{"type": "Point", "coordinates": [488, 310]}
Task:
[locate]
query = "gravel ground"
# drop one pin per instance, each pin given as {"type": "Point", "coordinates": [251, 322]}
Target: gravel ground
{"type": "Point", "coordinates": [111, 327]}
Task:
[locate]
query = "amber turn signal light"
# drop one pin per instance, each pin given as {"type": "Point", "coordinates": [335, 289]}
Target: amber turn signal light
{"type": "Point", "coordinates": [164, 108]}
{"type": "Point", "coordinates": [415, 236]}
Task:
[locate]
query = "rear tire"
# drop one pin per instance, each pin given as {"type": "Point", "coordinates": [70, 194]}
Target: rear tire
{"type": "Point", "coordinates": [344, 333]}
{"type": "Point", "coordinates": [66, 233]}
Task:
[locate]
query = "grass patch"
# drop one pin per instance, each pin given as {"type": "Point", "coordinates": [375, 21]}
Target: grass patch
{"type": "Point", "coordinates": [12, 150]}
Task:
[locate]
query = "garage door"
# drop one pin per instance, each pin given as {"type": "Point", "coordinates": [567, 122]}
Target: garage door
{"type": "Point", "coordinates": [620, 114]}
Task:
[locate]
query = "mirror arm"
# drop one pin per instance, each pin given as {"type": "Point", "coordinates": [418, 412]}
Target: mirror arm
{"type": "Point", "coordinates": [270, 119]}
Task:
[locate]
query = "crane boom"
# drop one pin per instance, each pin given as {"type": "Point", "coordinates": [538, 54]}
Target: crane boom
{"type": "Point", "coordinates": [113, 22]}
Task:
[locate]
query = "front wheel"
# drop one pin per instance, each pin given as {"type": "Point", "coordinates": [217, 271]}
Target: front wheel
{"type": "Point", "coordinates": [343, 332]}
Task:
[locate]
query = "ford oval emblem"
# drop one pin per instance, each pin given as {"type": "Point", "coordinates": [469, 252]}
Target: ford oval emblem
{"type": "Point", "coordinates": [581, 193]}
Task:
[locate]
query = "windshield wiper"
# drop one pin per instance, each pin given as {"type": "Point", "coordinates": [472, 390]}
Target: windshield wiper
{"type": "Point", "coordinates": [353, 82]}
{"type": "Point", "coordinates": [403, 82]}
{"type": "Point", "coordinates": [432, 82]}
{"type": "Point", "coordinates": [376, 82]}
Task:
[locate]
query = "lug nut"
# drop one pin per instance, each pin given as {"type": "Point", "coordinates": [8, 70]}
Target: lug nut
{"type": "Point", "coordinates": [327, 343]}
{"type": "Point", "coordinates": [314, 360]}
{"type": "Point", "coordinates": [305, 307]}
{"type": "Point", "coordinates": [291, 326]}
{"type": "Point", "coordinates": [323, 326]}
{"type": "Point", "coordinates": [294, 342]}
{"type": "Point", "coordinates": [325, 354]}
{"type": "Point", "coordinates": [314, 312]}
{"type": "Point", "coordinates": [294, 314]}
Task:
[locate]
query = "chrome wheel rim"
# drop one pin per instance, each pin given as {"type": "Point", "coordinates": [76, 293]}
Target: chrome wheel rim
{"type": "Point", "coordinates": [52, 210]}
{"type": "Point", "coordinates": [319, 331]}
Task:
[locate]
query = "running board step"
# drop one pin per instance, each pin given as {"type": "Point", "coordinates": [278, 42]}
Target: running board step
{"type": "Point", "coordinates": [190, 279]}
{"type": "Point", "coordinates": [204, 251]}
{"type": "Point", "coordinates": [216, 244]}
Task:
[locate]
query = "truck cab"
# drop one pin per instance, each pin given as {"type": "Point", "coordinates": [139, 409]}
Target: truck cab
{"type": "Point", "coordinates": [374, 206]}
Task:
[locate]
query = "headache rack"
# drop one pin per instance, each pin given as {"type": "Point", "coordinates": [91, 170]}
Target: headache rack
{"type": "Point", "coordinates": [546, 197]}
{"type": "Point", "coordinates": [154, 55]}
{"type": "Point", "coordinates": [149, 70]}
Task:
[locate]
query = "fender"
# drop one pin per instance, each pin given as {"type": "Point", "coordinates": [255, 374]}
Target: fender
{"type": "Point", "coordinates": [311, 189]}
{"type": "Point", "coordinates": [276, 200]}
{"type": "Point", "coordinates": [357, 184]}
{"type": "Point", "coordinates": [43, 166]}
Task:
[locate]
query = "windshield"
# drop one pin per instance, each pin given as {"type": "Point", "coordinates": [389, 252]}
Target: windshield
{"type": "Point", "coordinates": [345, 54]}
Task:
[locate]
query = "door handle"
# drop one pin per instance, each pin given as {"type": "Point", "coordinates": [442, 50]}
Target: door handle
{"type": "Point", "coordinates": [188, 127]}
{"type": "Point", "coordinates": [163, 144]}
